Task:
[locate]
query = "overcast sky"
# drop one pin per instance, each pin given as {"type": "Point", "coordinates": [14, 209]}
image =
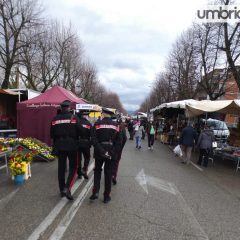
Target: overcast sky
{"type": "Point", "coordinates": [128, 40]}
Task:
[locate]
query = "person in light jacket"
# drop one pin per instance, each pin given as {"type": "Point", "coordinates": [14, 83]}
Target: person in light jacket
{"type": "Point", "coordinates": [138, 127]}
{"type": "Point", "coordinates": [205, 140]}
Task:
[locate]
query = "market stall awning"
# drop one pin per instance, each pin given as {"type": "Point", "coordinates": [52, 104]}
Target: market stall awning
{"type": "Point", "coordinates": [207, 106]}
{"type": "Point", "coordinates": [176, 104]}
{"type": "Point", "coordinates": [7, 91]}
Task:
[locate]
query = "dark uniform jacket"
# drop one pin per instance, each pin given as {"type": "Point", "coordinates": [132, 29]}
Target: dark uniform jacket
{"type": "Point", "coordinates": [64, 131]}
{"type": "Point", "coordinates": [84, 133]}
{"type": "Point", "coordinates": [106, 138]}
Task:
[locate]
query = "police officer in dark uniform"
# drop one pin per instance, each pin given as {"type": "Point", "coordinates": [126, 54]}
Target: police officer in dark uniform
{"type": "Point", "coordinates": [84, 144]}
{"type": "Point", "coordinates": [64, 132]}
{"type": "Point", "coordinates": [122, 132]}
{"type": "Point", "coordinates": [106, 141]}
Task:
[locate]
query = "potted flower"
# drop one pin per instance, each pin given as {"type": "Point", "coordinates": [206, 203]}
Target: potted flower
{"type": "Point", "coordinates": [19, 163]}
{"type": "Point", "coordinates": [18, 169]}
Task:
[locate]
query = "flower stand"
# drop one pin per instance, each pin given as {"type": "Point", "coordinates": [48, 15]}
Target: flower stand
{"type": "Point", "coordinates": [28, 173]}
{"type": "Point", "coordinates": [19, 179]}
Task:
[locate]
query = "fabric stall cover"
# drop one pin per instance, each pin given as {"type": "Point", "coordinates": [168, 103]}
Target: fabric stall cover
{"type": "Point", "coordinates": [34, 116]}
{"type": "Point", "coordinates": [176, 104]}
{"type": "Point", "coordinates": [207, 106]}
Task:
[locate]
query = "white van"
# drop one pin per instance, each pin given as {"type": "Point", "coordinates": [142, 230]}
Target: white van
{"type": "Point", "coordinates": [220, 129]}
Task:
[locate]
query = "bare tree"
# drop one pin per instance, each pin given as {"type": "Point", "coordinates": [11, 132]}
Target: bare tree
{"type": "Point", "coordinates": [231, 46]}
{"type": "Point", "coordinates": [182, 66]}
{"type": "Point", "coordinates": [87, 82]}
{"type": "Point", "coordinates": [15, 17]}
{"type": "Point", "coordinates": [212, 64]}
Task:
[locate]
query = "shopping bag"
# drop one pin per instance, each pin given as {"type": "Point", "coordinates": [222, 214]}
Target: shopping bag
{"type": "Point", "coordinates": [214, 144]}
{"type": "Point", "coordinates": [178, 151]}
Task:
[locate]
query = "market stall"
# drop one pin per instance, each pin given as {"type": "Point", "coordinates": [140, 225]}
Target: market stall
{"type": "Point", "coordinates": [34, 116]}
{"type": "Point", "coordinates": [173, 114]}
{"type": "Point", "coordinates": [226, 151]}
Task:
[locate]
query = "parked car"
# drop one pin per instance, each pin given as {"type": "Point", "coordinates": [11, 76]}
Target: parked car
{"type": "Point", "coordinates": [220, 129]}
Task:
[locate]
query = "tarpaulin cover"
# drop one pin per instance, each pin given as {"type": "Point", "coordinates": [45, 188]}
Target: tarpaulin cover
{"type": "Point", "coordinates": [34, 116]}
{"type": "Point", "coordinates": [207, 106]}
{"type": "Point", "coordinates": [176, 104]}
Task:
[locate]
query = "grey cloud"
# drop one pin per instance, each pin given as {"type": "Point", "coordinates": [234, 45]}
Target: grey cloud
{"type": "Point", "coordinates": [120, 47]}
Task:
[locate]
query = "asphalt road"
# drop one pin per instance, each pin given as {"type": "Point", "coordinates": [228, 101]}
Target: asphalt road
{"type": "Point", "coordinates": [156, 197]}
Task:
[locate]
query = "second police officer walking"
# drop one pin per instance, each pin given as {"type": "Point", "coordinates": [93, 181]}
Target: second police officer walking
{"type": "Point", "coordinates": [64, 132]}
{"type": "Point", "coordinates": [84, 144]}
{"type": "Point", "coordinates": [107, 142]}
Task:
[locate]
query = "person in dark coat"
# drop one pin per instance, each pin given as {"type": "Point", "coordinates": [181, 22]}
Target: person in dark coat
{"type": "Point", "coordinates": [64, 132]}
{"type": "Point", "coordinates": [187, 139]}
{"type": "Point", "coordinates": [150, 130]}
{"type": "Point", "coordinates": [84, 144]}
{"type": "Point", "coordinates": [131, 129]}
{"type": "Point", "coordinates": [106, 141]}
{"type": "Point", "coordinates": [122, 130]}
{"type": "Point", "coordinates": [205, 140]}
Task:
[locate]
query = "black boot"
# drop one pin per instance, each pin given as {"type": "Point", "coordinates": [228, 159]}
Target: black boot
{"type": "Point", "coordinates": [107, 199]}
{"type": "Point", "coordinates": [94, 196]}
{"type": "Point", "coordinates": [67, 194]}
{"type": "Point", "coordinates": [84, 174]}
{"type": "Point", "coordinates": [114, 181]}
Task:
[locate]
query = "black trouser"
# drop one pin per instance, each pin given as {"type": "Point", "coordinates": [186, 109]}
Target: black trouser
{"type": "Point", "coordinates": [170, 139]}
{"type": "Point", "coordinates": [116, 164]}
{"type": "Point", "coordinates": [204, 154]}
{"type": "Point", "coordinates": [131, 133]}
{"type": "Point", "coordinates": [62, 158]}
{"type": "Point", "coordinates": [143, 135]}
{"type": "Point", "coordinates": [107, 174]}
{"type": "Point", "coordinates": [85, 152]}
{"type": "Point", "coordinates": [150, 140]}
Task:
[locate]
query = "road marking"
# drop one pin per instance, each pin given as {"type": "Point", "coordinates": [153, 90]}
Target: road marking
{"type": "Point", "coordinates": [192, 219]}
{"type": "Point", "coordinates": [196, 166]}
{"type": "Point", "coordinates": [141, 179]}
{"type": "Point", "coordinates": [169, 187]}
{"type": "Point", "coordinates": [4, 201]}
{"type": "Point", "coordinates": [67, 219]}
{"type": "Point", "coordinates": [55, 211]}
{"type": "Point", "coordinates": [160, 184]}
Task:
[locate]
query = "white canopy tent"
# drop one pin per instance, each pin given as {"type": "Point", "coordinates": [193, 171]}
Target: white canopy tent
{"type": "Point", "coordinates": [176, 104]}
{"type": "Point", "coordinates": [207, 106]}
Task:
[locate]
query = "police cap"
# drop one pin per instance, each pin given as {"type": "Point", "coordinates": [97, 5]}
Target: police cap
{"type": "Point", "coordinates": [65, 103]}
{"type": "Point", "coordinates": [107, 111]}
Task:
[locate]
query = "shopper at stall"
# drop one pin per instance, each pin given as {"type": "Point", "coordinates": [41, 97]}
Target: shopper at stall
{"type": "Point", "coordinates": [187, 139]}
{"type": "Point", "coordinates": [171, 135]}
{"type": "Point", "coordinates": [151, 130]}
{"type": "Point", "coordinates": [205, 140]}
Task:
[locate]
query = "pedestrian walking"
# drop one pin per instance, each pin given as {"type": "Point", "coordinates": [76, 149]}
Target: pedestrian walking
{"type": "Point", "coordinates": [119, 153]}
{"type": "Point", "coordinates": [205, 140]}
{"type": "Point", "coordinates": [138, 129]}
{"type": "Point", "coordinates": [84, 145]}
{"type": "Point", "coordinates": [151, 130]}
{"type": "Point", "coordinates": [64, 132]}
{"type": "Point", "coordinates": [107, 142]}
{"type": "Point", "coordinates": [187, 139]}
{"type": "Point", "coordinates": [131, 129]}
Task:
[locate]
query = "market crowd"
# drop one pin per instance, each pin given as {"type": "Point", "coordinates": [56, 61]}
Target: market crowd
{"type": "Point", "coordinates": [189, 135]}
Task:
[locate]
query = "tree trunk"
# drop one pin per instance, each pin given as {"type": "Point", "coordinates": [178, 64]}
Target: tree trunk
{"type": "Point", "coordinates": [5, 82]}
